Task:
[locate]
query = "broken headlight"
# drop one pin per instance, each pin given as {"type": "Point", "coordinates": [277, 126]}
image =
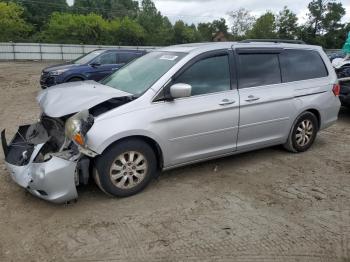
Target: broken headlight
{"type": "Point", "coordinates": [77, 126]}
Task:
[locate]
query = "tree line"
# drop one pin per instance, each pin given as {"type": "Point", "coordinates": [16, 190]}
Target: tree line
{"type": "Point", "coordinates": [125, 22]}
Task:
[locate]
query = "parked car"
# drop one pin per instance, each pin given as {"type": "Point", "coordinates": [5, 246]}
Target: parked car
{"type": "Point", "coordinates": [342, 69]}
{"type": "Point", "coordinates": [95, 65]}
{"type": "Point", "coordinates": [172, 107]}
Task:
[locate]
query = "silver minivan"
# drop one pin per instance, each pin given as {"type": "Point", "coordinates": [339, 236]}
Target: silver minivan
{"type": "Point", "coordinates": [172, 107]}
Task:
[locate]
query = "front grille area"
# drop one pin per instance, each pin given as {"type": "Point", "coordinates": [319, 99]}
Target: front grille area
{"type": "Point", "coordinates": [46, 80]}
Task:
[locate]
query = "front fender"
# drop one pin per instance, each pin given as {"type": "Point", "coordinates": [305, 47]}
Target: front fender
{"type": "Point", "coordinates": [104, 133]}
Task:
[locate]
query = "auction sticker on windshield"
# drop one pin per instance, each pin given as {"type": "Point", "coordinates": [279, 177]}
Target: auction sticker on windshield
{"type": "Point", "coordinates": [168, 57]}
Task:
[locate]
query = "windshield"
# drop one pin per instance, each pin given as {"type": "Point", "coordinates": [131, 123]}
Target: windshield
{"type": "Point", "coordinates": [136, 77]}
{"type": "Point", "coordinates": [88, 57]}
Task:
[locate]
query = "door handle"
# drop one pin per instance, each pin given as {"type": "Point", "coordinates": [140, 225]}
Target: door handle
{"type": "Point", "coordinates": [227, 102]}
{"type": "Point", "coordinates": [252, 98]}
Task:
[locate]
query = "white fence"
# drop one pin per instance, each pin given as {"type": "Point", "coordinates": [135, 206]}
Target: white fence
{"type": "Point", "coordinates": [38, 51]}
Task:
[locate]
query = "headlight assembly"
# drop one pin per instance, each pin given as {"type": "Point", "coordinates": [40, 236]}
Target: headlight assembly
{"type": "Point", "coordinates": [77, 126]}
{"type": "Point", "coordinates": [58, 72]}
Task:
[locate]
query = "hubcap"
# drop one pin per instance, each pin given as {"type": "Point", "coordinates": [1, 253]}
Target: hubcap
{"type": "Point", "coordinates": [128, 169]}
{"type": "Point", "coordinates": [304, 132]}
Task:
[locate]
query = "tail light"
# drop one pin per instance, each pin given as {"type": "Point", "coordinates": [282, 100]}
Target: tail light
{"type": "Point", "coordinates": [336, 89]}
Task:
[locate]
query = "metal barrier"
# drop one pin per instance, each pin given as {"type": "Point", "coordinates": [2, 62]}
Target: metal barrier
{"type": "Point", "coordinates": [39, 51]}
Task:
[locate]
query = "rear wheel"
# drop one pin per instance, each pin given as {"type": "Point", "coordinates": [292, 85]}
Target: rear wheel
{"type": "Point", "coordinates": [303, 133]}
{"type": "Point", "coordinates": [126, 168]}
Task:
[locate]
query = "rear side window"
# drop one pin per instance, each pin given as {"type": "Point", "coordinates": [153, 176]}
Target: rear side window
{"type": "Point", "coordinates": [107, 58]}
{"type": "Point", "coordinates": [209, 75]}
{"type": "Point", "coordinates": [124, 58]}
{"type": "Point", "coordinates": [301, 65]}
{"type": "Point", "coordinates": [258, 70]}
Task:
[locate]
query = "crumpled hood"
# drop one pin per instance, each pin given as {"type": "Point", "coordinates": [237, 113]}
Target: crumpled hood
{"type": "Point", "coordinates": [73, 97]}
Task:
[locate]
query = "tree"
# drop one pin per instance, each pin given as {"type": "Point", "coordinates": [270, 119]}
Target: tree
{"type": "Point", "coordinates": [126, 32]}
{"type": "Point", "coordinates": [184, 33]}
{"type": "Point", "coordinates": [324, 23]}
{"type": "Point", "coordinates": [108, 9]}
{"type": "Point", "coordinates": [324, 15]}
{"type": "Point", "coordinates": [264, 27]}
{"type": "Point", "coordinates": [287, 24]}
{"type": "Point", "coordinates": [38, 12]}
{"type": "Point", "coordinates": [12, 25]}
{"type": "Point", "coordinates": [159, 30]}
{"type": "Point", "coordinates": [205, 31]}
{"type": "Point", "coordinates": [220, 26]}
{"type": "Point", "coordinates": [76, 29]}
{"type": "Point", "coordinates": [242, 22]}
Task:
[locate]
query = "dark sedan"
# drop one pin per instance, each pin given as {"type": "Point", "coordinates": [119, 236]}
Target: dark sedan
{"type": "Point", "coordinates": [95, 65]}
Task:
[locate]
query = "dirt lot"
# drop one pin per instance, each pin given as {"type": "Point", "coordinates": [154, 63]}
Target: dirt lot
{"type": "Point", "coordinates": [259, 206]}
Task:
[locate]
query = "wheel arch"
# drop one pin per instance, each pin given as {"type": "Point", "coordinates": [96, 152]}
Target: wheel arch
{"type": "Point", "coordinates": [317, 114]}
{"type": "Point", "coordinates": [75, 76]}
{"type": "Point", "coordinates": [150, 141]}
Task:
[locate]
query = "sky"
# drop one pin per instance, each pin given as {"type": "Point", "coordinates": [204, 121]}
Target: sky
{"type": "Point", "coordinates": [196, 11]}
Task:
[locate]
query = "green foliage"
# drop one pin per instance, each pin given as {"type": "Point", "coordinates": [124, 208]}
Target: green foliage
{"type": "Point", "coordinates": [287, 24]}
{"type": "Point", "coordinates": [185, 34]}
{"type": "Point", "coordinates": [12, 25]}
{"type": "Point", "coordinates": [108, 9]}
{"type": "Point", "coordinates": [158, 29]}
{"type": "Point", "coordinates": [38, 12]}
{"type": "Point", "coordinates": [76, 29]}
{"type": "Point", "coordinates": [220, 26]}
{"type": "Point", "coordinates": [205, 31]}
{"type": "Point", "coordinates": [123, 22]}
{"type": "Point", "coordinates": [242, 22]}
{"type": "Point", "coordinates": [324, 25]}
{"type": "Point", "coordinates": [126, 32]}
{"type": "Point", "coordinates": [264, 27]}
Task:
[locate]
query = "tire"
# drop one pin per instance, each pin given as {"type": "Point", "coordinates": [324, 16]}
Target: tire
{"type": "Point", "coordinates": [75, 79]}
{"type": "Point", "coordinates": [116, 174]}
{"type": "Point", "coordinates": [303, 133]}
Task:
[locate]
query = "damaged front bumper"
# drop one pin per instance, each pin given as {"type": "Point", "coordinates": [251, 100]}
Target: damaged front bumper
{"type": "Point", "coordinates": [52, 178]}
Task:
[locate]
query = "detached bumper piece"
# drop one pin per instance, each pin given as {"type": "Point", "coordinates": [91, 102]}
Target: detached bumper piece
{"type": "Point", "coordinates": [52, 179]}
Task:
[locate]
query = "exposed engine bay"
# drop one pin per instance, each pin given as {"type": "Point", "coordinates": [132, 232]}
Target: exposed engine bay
{"type": "Point", "coordinates": [50, 158]}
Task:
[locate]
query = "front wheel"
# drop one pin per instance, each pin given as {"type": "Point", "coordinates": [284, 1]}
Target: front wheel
{"type": "Point", "coordinates": [125, 168]}
{"type": "Point", "coordinates": [303, 133]}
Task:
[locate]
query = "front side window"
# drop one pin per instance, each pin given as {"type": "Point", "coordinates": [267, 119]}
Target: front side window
{"type": "Point", "coordinates": [87, 58]}
{"type": "Point", "coordinates": [209, 75]}
{"type": "Point", "coordinates": [139, 75]}
{"type": "Point", "coordinates": [301, 65]}
{"type": "Point", "coordinates": [258, 70]}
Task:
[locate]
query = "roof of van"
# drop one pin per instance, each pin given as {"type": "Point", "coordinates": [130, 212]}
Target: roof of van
{"type": "Point", "coordinates": [208, 46]}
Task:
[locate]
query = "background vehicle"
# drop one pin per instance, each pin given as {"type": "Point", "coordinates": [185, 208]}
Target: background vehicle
{"type": "Point", "coordinates": [95, 65]}
{"type": "Point", "coordinates": [342, 69]}
{"type": "Point", "coordinates": [172, 107]}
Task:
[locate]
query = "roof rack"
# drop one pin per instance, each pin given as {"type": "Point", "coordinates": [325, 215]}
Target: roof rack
{"type": "Point", "coordinates": [301, 42]}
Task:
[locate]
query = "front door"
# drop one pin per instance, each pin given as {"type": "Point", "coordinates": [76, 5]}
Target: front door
{"type": "Point", "coordinates": [206, 123]}
{"type": "Point", "coordinates": [104, 65]}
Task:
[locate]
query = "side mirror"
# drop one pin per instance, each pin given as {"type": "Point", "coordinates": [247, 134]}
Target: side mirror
{"type": "Point", "coordinates": [180, 90]}
{"type": "Point", "coordinates": [95, 64]}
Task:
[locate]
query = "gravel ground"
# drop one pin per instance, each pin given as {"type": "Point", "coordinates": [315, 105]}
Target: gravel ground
{"type": "Point", "coordinates": [267, 205]}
